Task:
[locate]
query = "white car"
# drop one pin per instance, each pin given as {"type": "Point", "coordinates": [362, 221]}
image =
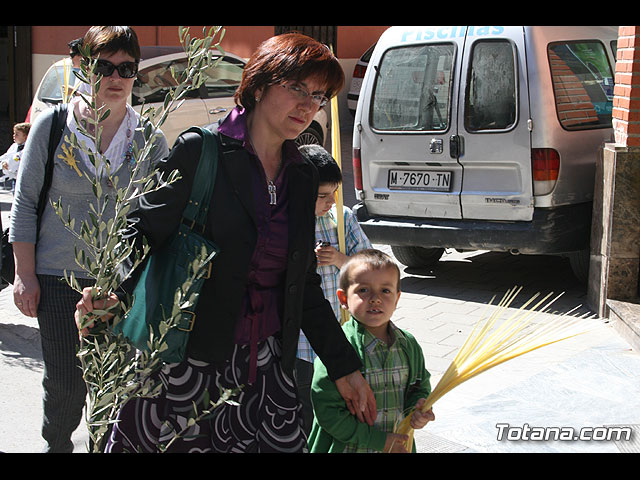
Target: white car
{"type": "Point", "coordinates": [356, 81]}
{"type": "Point", "coordinates": [213, 100]}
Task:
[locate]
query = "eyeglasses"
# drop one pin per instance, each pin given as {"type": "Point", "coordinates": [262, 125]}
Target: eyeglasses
{"type": "Point", "coordinates": [299, 92]}
{"type": "Point", "coordinates": [125, 69]}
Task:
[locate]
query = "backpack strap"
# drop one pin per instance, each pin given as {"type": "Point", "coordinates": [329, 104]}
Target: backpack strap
{"type": "Point", "coordinates": [57, 127]}
{"type": "Point", "coordinates": [195, 213]}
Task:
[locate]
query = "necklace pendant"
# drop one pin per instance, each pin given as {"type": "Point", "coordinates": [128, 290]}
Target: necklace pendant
{"type": "Point", "coordinates": [128, 155]}
{"type": "Point", "coordinates": [272, 193]}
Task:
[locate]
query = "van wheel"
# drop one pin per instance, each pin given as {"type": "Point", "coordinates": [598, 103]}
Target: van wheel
{"type": "Point", "coordinates": [417, 256]}
{"type": "Point", "coordinates": [579, 262]}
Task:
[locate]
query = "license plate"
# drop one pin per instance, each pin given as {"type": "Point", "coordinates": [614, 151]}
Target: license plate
{"type": "Point", "coordinates": [419, 180]}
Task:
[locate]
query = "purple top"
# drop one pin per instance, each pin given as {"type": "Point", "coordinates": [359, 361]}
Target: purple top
{"type": "Point", "coordinates": [263, 304]}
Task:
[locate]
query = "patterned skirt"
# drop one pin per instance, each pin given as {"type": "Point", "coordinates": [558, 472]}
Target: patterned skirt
{"type": "Point", "coordinates": [264, 417]}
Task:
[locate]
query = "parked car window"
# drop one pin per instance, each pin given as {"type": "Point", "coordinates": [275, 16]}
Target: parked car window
{"type": "Point", "coordinates": [58, 82]}
{"type": "Point", "coordinates": [490, 100]}
{"type": "Point", "coordinates": [224, 78]}
{"type": "Point", "coordinates": [413, 89]}
{"type": "Point", "coordinates": [582, 84]}
{"type": "Point", "coordinates": [366, 56]}
{"type": "Point", "coordinates": [153, 82]}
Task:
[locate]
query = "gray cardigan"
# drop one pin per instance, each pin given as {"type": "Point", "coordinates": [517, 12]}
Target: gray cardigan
{"type": "Point", "coordinates": [55, 247]}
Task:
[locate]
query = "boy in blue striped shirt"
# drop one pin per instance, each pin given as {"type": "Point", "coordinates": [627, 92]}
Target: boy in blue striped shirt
{"type": "Point", "coordinates": [330, 259]}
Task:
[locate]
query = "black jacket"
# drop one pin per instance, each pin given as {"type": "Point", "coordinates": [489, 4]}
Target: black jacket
{"type": "Point", "coordinates": [231, 225]}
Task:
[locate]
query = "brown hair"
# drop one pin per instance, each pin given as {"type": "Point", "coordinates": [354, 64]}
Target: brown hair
{"type": "Point", "coordinates": [111, 39]}
{"type": "Point", "coordinates": [22, 127]}
{"type": "Point", "coordinates": [290, 56]}
{"type": "Point", "coordinates": [375, 259]}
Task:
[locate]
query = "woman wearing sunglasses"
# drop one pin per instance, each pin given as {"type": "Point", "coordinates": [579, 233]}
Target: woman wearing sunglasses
{"type": "Point", "coordinates": [264, 287]}
{"type": "Point", "coordinates": [43, 254]}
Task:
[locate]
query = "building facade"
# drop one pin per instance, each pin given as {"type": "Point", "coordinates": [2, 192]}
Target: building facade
{"type": "Point", "coordinates": [30, 50]}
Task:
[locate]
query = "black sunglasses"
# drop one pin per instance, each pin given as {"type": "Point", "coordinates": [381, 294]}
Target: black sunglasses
{"type": "Point", "coordinates": [125, 69]}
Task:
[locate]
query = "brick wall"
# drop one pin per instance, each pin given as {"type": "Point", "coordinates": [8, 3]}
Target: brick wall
{"type": "Point", "coordinates": [626, 103]}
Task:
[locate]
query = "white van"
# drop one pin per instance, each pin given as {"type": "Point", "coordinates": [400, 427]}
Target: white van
{"type": "Point", "coordinates": [483, 137]}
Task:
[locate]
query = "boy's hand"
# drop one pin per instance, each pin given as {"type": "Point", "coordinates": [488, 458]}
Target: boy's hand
{"type": "Point", "coordinates": [395, 443]}
{"type": "Point", "coordinates": [329, 255]}
{"type": "Point", "coordinates": [419, 419]}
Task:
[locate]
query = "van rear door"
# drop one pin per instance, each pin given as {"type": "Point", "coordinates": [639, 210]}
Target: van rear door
{"type": "Point", "coordinates": [409, 114]}
{"type": "Point", "coordinates": [493, 126]}
{"type": "Point", "coordinates": [448, 117]}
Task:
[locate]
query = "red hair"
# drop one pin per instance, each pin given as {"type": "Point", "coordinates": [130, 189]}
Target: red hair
{"type": "Point", "coordinates": [291, 56]}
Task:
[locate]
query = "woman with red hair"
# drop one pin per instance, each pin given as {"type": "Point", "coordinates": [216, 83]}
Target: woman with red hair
{"type": "Point", "coordinates": [264, 287]}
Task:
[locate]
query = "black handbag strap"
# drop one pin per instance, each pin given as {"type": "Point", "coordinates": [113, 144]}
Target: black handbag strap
{"type": "Point", "coordinates": [57, 127]}
{"type": "Point", "coordinates": [195, 213]}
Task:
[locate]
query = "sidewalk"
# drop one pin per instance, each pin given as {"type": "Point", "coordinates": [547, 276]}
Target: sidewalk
{"type": "Point", "coordinates": [21, 369]}
{"type": "Point", "coordinates": [590, 382]}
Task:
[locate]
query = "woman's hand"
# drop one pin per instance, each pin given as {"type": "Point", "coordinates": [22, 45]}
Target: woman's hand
{"type": "Point", "coordinates": [26, 287]}
{"type": "Point", "coordinates": [84, 317]}
{"type": "Point", "coordinates": [26, 293]}
{"type": "Point", "coordinates": [358, 396]}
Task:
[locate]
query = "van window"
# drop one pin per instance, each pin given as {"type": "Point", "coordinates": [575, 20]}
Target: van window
{"type": "Point", "coordinates": [490, 100]}
{"type": "Point", "coordinates": [413, 89]}
{"type": "Point", "coordinates": [582, 84]}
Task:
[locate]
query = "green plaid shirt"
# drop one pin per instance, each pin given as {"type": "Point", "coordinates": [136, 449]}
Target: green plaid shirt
{"type": "Point", "coordinates": [387, 372]}
{"type": "Point", "coordinates": [398, 378]}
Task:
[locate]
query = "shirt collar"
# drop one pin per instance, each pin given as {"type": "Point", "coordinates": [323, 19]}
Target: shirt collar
{"type": "Point", "coordinates": [370, 341]}
{"type": "Point", "coordinates": [234, 126]}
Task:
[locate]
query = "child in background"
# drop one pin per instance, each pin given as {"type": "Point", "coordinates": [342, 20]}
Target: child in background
{"type": "Point", "coordinates": [393, 364]}
{"type": "Point", "coordinates": [330, 259]}
{"type": "Point", "coordinates": [10, 161]}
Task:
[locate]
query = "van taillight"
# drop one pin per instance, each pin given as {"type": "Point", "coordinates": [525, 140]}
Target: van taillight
{"type": "Point", "coordinates": [357, 169]}
{"type": "Point", "coordinates": [546, 164]}
{"type": "Point", "coordinates": [359, 71]}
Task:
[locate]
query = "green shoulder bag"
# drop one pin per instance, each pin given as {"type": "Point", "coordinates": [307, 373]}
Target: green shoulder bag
{"type": "Point", "coordinates": [167, 268]}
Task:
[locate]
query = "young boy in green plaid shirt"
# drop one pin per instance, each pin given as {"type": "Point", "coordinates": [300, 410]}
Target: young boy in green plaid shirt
{"type": "Point", "coordinates": [393, 364]}
{"type": "Point", "coordinates": [330, 259]}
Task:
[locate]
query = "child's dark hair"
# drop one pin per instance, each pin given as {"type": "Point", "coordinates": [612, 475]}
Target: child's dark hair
{"type": "Point", "coordinates": [328, 169]}
{"type": "Point", "coordinates": [376, 259]}
{"type": "Point", "coordinates": [74, 47]}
